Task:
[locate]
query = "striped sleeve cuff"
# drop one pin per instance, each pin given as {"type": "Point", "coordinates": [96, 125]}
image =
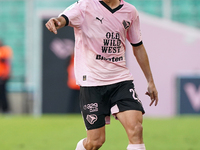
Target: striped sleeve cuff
{"type": "Point", "coordinates": [137, 44]}
{"type": "Point", "coordinates": [67, 20]}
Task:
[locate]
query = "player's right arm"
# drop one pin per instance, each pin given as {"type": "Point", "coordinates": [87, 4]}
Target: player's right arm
{"type": "Point", "coordinates": [55, 23]}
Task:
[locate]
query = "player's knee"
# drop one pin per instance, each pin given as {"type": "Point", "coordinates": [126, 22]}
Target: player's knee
{"type": "Point", "coordinates": [96, 144]}
{"type": "Point", "coordinates": [138, 129]}
{"type": "Point", "coordinates": [135, 133]}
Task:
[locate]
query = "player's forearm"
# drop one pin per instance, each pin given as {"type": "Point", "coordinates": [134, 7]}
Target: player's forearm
{"type": "Point", "coordinates": [143, 61]}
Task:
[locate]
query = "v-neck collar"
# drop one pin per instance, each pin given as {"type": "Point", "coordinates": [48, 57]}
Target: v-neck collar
{"type": "Point", "coordinates": [110, 9]}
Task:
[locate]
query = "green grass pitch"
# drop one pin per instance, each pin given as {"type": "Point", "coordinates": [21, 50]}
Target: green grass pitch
{"type": "Point", "coordinates": [62, 132]}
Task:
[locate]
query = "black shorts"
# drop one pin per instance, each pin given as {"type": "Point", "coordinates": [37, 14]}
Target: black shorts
{"type": "Point", "coordinates": [97, 103]}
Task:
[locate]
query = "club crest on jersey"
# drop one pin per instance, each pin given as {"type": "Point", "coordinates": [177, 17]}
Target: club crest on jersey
{"type": "Point", "coordinates": [126, 24]}
{"type": "Point", "coordinates": [91, 118]}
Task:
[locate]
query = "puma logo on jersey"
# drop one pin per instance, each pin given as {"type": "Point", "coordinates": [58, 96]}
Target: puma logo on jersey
{"type": "Point", "coordinates": [99, 19]}
{"type": "Point", "coordinates": [126, 24]}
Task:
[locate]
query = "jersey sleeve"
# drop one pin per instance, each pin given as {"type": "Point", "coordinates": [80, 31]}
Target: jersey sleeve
{"type": "Point", "coordinates": [74, 14]}
{"type": "Point", "coordinates": [134, 33]}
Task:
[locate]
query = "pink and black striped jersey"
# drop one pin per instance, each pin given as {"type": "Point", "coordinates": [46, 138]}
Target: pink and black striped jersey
{"type": "Point", "coordinates": [100, 36]}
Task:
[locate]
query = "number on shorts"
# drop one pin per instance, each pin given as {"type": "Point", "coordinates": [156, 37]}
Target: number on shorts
{"type": "Point", "coordinates": [133, 94]}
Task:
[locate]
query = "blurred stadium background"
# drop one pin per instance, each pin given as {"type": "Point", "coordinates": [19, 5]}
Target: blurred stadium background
{"type": "Point", "coordinates": [21, 27]}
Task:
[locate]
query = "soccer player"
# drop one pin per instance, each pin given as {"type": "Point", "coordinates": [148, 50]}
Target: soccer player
{"type": "Point", "coordinates": [106, 86]}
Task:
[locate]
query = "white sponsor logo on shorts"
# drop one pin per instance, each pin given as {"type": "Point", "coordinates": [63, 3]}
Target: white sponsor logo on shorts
{"type": "Point", "coordinates": [93, 107]}
{"type": "Point", "coordinates": [91, 118]}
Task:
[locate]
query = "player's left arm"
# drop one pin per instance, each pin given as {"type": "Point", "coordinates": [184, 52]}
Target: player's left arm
{"type": "Point", "coordinates": [142, 59]}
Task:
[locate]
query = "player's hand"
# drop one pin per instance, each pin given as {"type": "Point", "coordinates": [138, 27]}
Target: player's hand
{"type": "Point", "coordinates": [53, 25]}
{"type": "Point", "coordinates": [152, 93]}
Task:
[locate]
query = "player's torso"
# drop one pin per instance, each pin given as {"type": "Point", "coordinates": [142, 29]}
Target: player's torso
{"type": "Point", "coordinates": [103, 53]}
{"type": "Point", "coordinates": [105, 29]}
